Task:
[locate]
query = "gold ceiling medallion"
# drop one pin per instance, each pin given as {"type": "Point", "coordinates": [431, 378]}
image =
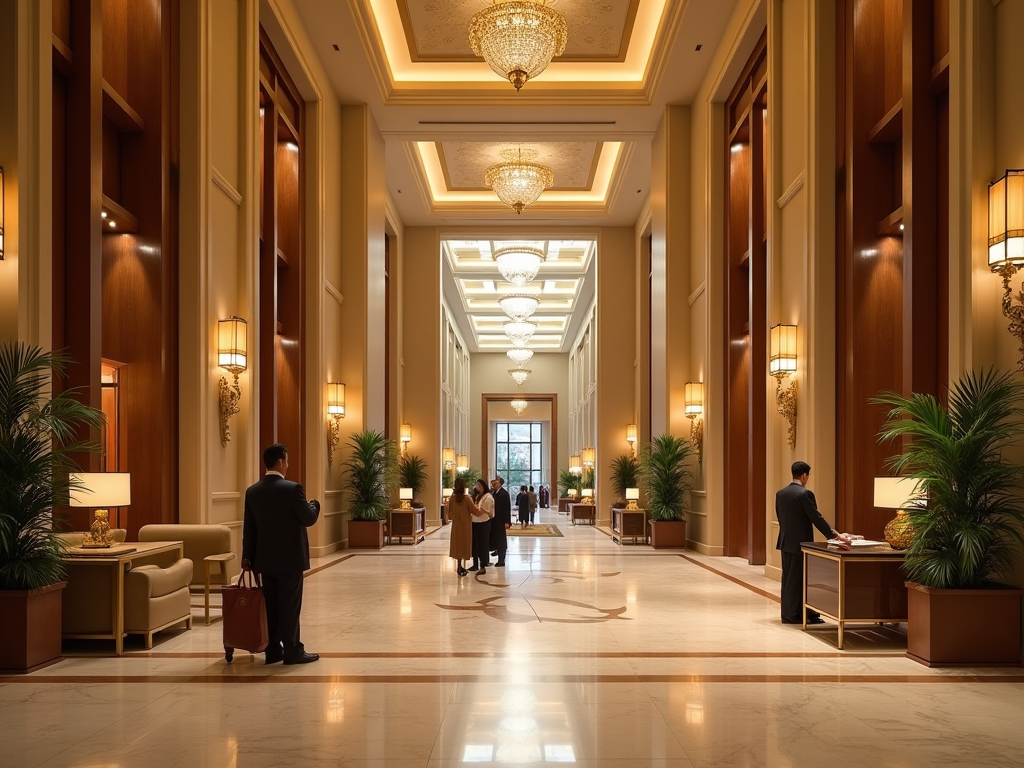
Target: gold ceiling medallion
{"type": "Point", "coordinates": [518, 182]}
{"type": "Point", "coordinates": [518, 38]}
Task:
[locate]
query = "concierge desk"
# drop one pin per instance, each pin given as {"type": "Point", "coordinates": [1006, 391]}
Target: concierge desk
{"type": "Point", "coordinates": [863, 585]}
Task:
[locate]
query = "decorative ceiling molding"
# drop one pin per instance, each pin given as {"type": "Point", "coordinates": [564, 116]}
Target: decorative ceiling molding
{"type": "Point", "coordinates": [464, 163]}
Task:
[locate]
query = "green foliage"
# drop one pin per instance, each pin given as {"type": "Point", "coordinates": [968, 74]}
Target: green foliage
{"type": "Point", "coordinates": [412, 473]}
{"type": "Point", "coordinates": [625, 474]}
{"type": "Point", "coordinates": [666, 476]}
{"type": "Point", "coordinates": [470, 475]}
{"type": "Point", "coordinates": [38, 435]}
{"type": "Point", "coordinates": [372, 470]}
{"type": "Point", "coordinates": [969, 530]}
{"type": "Point", "coordinates": [567, 480]}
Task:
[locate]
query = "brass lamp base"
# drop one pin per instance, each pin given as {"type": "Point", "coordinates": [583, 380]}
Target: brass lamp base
{"type": "Point", "coordinates": [99, 536]}
{"type": "Point", "coordinates": [632, 505]}
{"type": "Point", "coordinates": [898, 531]}
{"type": "Point", "coordinates": [405, 504]}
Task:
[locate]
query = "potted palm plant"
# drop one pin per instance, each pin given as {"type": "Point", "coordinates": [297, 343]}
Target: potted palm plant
{"type": "Point", "coordinates": [38, 435]}
{"type": "Point", "coordinates": [625, 474]}
{"type": "Point", "coordinates": [371, 471]}
{"type": "Point", "coordinates": [412, 473]}
{"type": "Point", "coordinates": [967, 520]}
{"type": "Point", "coordinates": [667, 479]}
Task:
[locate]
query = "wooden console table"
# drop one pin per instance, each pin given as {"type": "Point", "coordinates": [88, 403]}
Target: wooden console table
{"type": "Point", "coordinates": [93, 602]}
{"type": "Point", "coordinates": [629, 523]}
{"type": "Point", "coordinates": [863, 585]}
{"type": "Point", "coordinates": [407, 522]}
{"type": "Point", "coordinates": [586, 513]}
{"type": "Point", "coordinates": [563, 504]}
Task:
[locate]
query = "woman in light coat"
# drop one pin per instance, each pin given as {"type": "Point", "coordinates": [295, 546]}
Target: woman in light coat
{"type": "Point", "coordinates": [461, 511]}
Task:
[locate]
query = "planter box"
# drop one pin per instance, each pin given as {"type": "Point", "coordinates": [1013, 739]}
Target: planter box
{"type": "Point", "coordinates": [964, 627]}
{"type": "Point", "coordinates": [30, 639]}
{"type": "Point", "coordinates": [366, 534]}
{"type": "Point", "coordinates": [668, 534]}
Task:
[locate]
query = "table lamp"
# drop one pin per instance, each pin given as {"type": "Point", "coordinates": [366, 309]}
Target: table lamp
{"type": "Point", "coordinates": [405, 494]}
{"type": "Point", "coordinates": [632, 496]}
{"type": "Point", "coordinates": [898, 493]}
{"type": "Point", "coordinates": [100, 489]}
{"type": "Point", "coordinates": [588, 496]}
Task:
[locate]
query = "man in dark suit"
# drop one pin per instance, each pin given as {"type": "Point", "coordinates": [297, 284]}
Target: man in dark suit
{"type": "Point", "coordinates": [502, 519]}
{"type": "Point", "coordinates": [798, 515]}
{"type": "Point", "coordinates": [275, 545]}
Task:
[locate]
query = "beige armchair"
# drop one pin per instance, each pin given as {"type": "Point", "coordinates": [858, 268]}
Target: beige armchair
{"type": "Point", "coordinates": [156, 598]}
{"type": "Point", "coordinates": [208, 544]}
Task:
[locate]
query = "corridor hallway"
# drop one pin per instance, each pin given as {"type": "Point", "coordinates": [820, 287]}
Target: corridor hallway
{"type": "Point", "coordinates": [579, 651]}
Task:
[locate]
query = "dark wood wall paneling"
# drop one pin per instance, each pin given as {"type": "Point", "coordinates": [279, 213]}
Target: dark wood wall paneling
{"type": "Point", "coordinates": [118, 299]}
{"type": "Point", "coordinates": [282, 334]}
{"type": "Point", "coordinates": [746, 310]}
{"type": "Point", "coordinates": [891, 239]}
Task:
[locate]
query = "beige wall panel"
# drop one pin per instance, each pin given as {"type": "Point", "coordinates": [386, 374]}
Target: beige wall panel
{"type": "Point", "coordinates": [11, 72]}
{"type": "Point", "coordinates": [332, 332]}
{"type": "Point", "coordinates": [792, 87]}
{"type": "Point", "coordinates": [225, 87]}
{"type": "Point", "coordinates": [659, 294]}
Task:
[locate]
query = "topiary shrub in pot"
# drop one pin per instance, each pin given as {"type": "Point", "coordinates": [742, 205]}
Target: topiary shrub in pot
{"type": "Point", "coordinates": [371, 472]}
{"type": "Point", "coordinates": [967, 522]}
{"type": "Point", "coordinates": [667, 479]}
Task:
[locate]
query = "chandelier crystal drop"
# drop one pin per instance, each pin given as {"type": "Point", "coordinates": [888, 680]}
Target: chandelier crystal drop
{"type": "Point", "coordinates": [519, 331]}
{"type": "Point", "coordinates": [519, 264]}
{"type": "Point", "coordinates": [519, 356]}
{"type": "Point", "coordinates": [518, 38]}
{"type": "Point", "coordinates": [518, 181]}
{"type": "Point", "coordinates": [519, 375]}
{"type": "Point", "coordinates": [519, 306]}
{"type": "Point", "coordinates": [518, 405]}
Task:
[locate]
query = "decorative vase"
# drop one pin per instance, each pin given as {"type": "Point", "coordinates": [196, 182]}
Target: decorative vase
{"type": "Point", "coordinates": [898, 531]}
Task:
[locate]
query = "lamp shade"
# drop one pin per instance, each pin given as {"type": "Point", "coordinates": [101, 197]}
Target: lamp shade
{"type": "Point", "coordinates": [231, 344]}
{"type": "Point", "coordinates": [574, 464]}
{"type": "Point", "coordinates": [588, 457]}
{"type": "Point", "coordinates": [446, 493]}
{"type": "Point", "coordinates": [336, 399]}
{"type": "Point", "coordinates": [572, 493]}
{"type": "Point", "coordinates": [632, 494]}
{"type": "Point", "coordinates": [588, 493]}
{"type": "Point", "coordinates": [448, 456]}
{"type": "Point", "coordinates": [1006, 220]}
{"type": "Point", "coordinates": [101, 489]}
{"type": "Point", "coordinates": [462, 463]}
{"type": "Point", "coordinates": [896, 492]}
{"type": "Point", "coordinates": [405, 494]}
{"type": "Point", "coordinates": [783, 350]}
{"type": "Point", "coordinates": [631, 433]}
{"type": "Point", "coordinates": [405, 433]}
{"type": "Point", "coordinates": [693, 398]}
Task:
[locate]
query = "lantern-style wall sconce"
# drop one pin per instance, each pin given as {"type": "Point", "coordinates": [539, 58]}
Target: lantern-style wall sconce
{"type": "Point", "coordinates": [693, 405]}
{"type": "Point", "coordinates": [1006, 246]}
{"type": "Point", "coordinates": [631, 437]}
{"type": "Point", "coordinates": [405, 436]}
{"type": "Point", "coordinates": [1, 213]}
{"type": "Point", "coordinates": [575, 466]}
{"type": "Point", "coordinates": [231, 356]}
{"type": "Point", "coordinates": [782, 363]}
{"type": "Point", "coordinates": [462, 463]}
{"type": "Point", "coordinates": [588, 457]}
{"type": "Point", "coordinates": [335, 413]}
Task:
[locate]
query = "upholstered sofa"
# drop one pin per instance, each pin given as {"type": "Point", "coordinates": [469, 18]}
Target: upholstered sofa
{"type": "Point", "coordinates": [206, 544]}
{"type": "Point", "coordinates": [156, 598]}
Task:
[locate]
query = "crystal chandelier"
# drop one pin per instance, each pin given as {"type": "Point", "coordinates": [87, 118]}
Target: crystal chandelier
{"type": "Point", "coordinates": [519, 264]}
{"type": "Point", "coordinates": [519, 356]}
{"type": "Point", "coordinates": [519, 375]}
{"type": "Point", "coordinates": [518, 38]}
{"type": "Point", "coordinates": [519, 331]}
{"type": "Point", "coordinates": [518, 182]}
{"type": "Point", "coordinates": [519, 306]}
{"type": "Point", "coordinates": [518, 405]}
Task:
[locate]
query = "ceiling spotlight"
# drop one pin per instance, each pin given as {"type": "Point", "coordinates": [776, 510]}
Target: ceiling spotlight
{"type": "Point", "coordinates": [519, 331]}
{"type": "Point", "coordinates": [519, 306]}
{"type": "Point", "coordinates": [518, 182]}
{"type": "Point", "coordinates": [518, 405]}
{"type": "Point", "coordinates": [519, 375]}
{"type": "Point", "coordinates": [518, 38]}
{"type": "Point", "coordinates": [519, 356]}
{"type": "Point", "coordinates": [519, 264]}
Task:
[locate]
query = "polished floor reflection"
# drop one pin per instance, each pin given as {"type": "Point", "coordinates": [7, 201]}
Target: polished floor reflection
{"type": "Point", "coordinates": [579, 651]}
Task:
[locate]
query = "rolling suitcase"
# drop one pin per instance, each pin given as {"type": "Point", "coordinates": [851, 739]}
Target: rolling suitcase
{"type": "Point", "coordinates": [245, 615]}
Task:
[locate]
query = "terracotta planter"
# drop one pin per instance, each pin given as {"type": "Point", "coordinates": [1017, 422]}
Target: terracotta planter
{"type": "Point", "coordinates": [668, 534]}
{"type": "Point", "coordinates": [964, 627]}
{"type": "Point", "coordinates": [366, 534]}
{"type": "Point", "coordinates": [31, 636]}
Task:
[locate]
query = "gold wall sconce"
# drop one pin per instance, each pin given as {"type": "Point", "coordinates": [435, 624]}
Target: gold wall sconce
{"type": "Point", "coordinates": [335, 413]}
{"type": "Point", "coordinates": [101, 489]}
{"type": "Point", "coordinates": [588, 457]}
{"type": "Point", "coordinates": [631, 437]}
{"type": "Point", "coordinates": [575, 466]}
{"type": "Point", "coordinates": [462, 463]}
{"type": "Point", "coordinates": [693, 409]}
{"type": "Point", "coordinates": [1006, 246]}
{"type": "Point", "coordinates": [1, 213]}
{"type": "Point", "coordinates": [632, 496]}
{"type": "Point", "coordinates": [231, 356]}
{"type": "Point", "coordinates": [781, 364]}
{"type": "Point", "coordinates": [405, 436]}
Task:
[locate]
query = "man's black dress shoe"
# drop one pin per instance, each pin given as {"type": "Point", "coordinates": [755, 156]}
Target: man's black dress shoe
{"type": "Point", "coordinates": [306, 658]}
{"type": "Point", "coordinates": [473, 568]}
{"type": "Point", "coordinates": [815, 620]}
{"type": "Point", "coordinates": [273, 658]}
{"type": "Point", "coordinates": [500, 565]}
{"type": "Point", "coordinates": [483, 571]}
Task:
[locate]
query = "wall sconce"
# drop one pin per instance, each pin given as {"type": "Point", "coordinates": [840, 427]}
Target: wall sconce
{"type": "Point", "coordinates": [574, 465]}
{"type": "Point", "coordinates": [405, 436]}
{"type": "Point", "coordinates": [100, 489]}
{"type": "Point", "coordinates": [693, 409]}
{"type": "Point", "coordinates": [631, 437]}
{"type": "Point", "coordinates": [1006, 245]}
{"type": "Point", "coordinates": [632, 496]}
{"type": "Point", "coordinates": [1, 213]}
{"type": "Point", "coordinates": [335, 413]}
{"type": "Point", "coordinates": [448, 457]}
{"type": "Point", "coordinates": [231, 349]}
{"type": "Point", "coordinates": [781, 364]}
{"type": "Point", "coordinates": [405, 494]}
{"type": "Point", "coordinates": [462, 463]}
{"type": "Point", "coordinates": [588, 457]}
{"type": "Point", "coordinates": [588, 496]}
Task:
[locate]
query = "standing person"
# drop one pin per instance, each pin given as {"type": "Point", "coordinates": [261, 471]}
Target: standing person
{"type": "Point", "coordinates": [533, 504]}
{"type": "Point", "coordinates": [460, 511]}
{"type": "Point", "coordinates": [276, 546]}
{"type": "Point", "coordinates": [523, 506]}
{"type": "Point", "coordinates": [797, 511]}
{"type": "Point", "coordinates": [543, 497]}
{"type": "Point", "coordinates": [502, 519]}
{"type": "Point", "coordinates": [482, 527]}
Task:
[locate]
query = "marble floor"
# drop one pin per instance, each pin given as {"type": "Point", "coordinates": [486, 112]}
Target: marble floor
{"type": "Point", "coordinates": [579, 651]}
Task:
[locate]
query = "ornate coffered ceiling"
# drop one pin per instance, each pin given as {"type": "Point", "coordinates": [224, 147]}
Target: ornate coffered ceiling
{"type": "Point", "coordinates": [464, 162]}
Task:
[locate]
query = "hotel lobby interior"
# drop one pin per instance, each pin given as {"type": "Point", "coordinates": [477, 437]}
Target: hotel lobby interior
{"type": "Point", "coordinates": [736, 222]}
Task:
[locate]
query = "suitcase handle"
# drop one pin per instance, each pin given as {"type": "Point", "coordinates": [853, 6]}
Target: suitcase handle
{"type": "Point", "coordinates": [253, 581]}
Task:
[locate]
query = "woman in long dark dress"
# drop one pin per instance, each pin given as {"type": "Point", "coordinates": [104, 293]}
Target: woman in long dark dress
{"type": "Point", "coordinates": [523, 505]}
